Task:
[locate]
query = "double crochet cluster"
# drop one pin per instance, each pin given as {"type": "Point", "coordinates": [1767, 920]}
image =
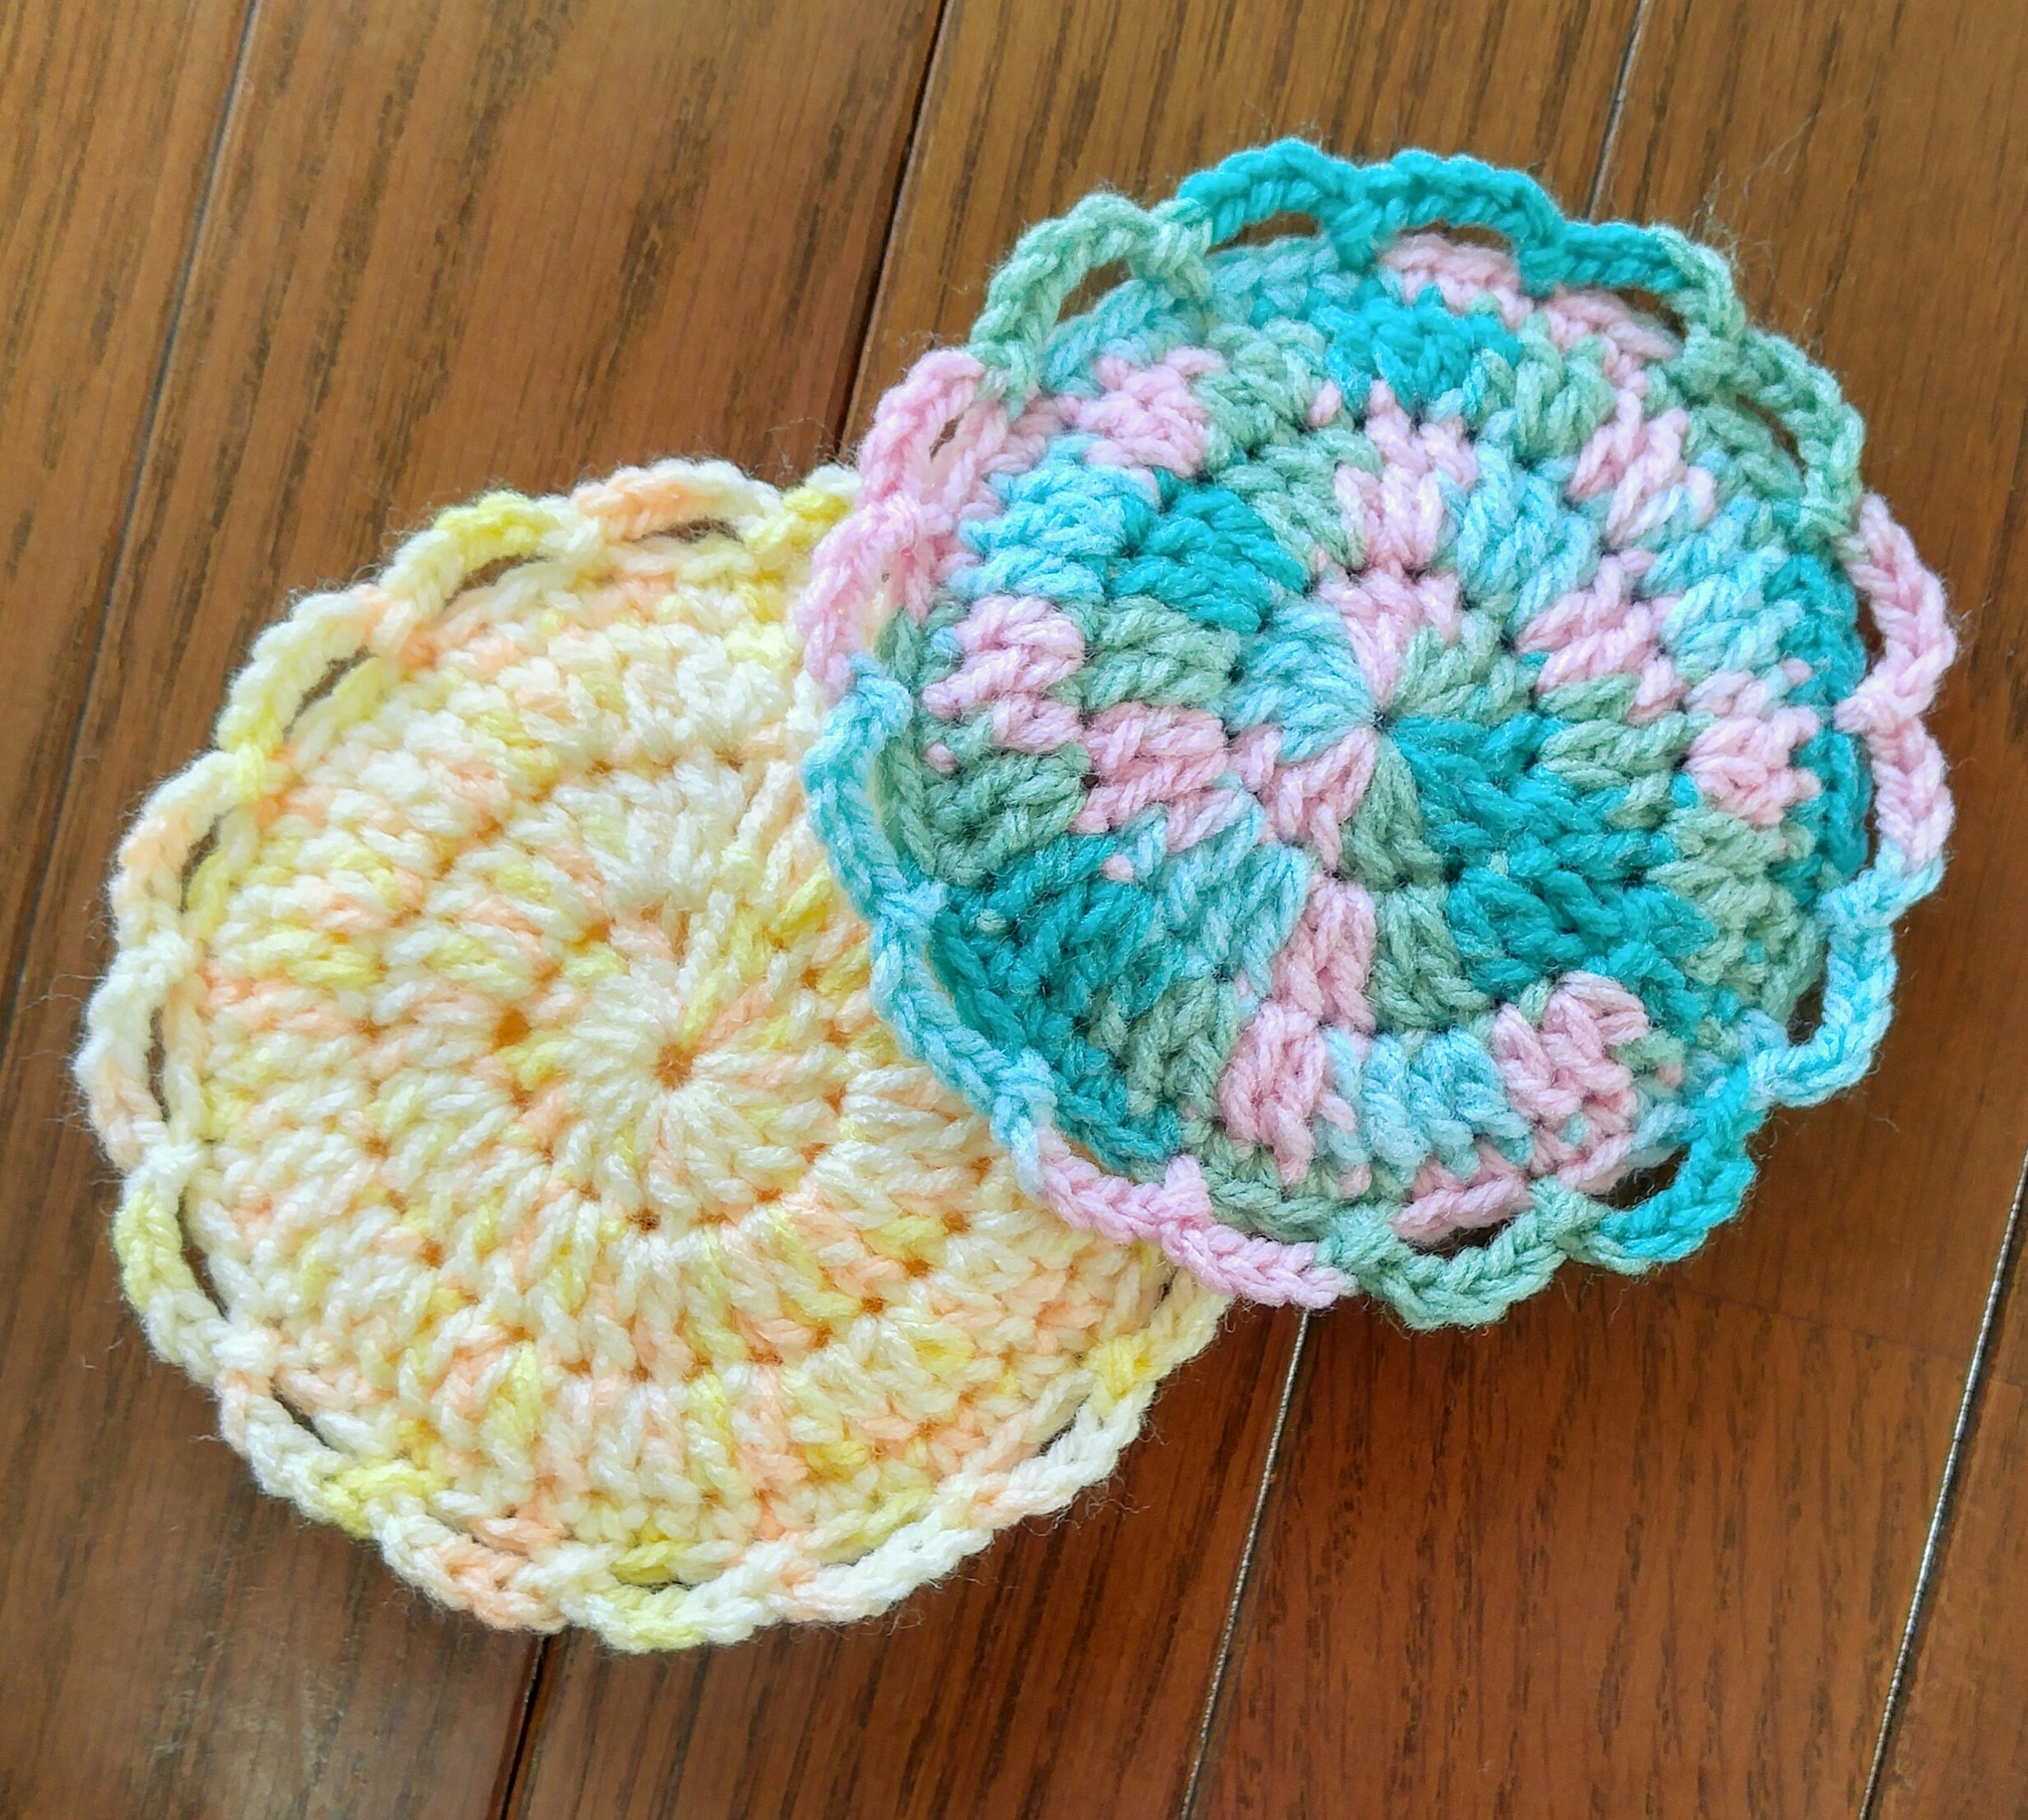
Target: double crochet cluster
{"type": "Point", "coordinates": [1368, 738]}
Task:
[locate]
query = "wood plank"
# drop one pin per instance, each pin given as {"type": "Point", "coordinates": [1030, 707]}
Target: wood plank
{"type": "Point", "coordinates": [1062, 1672]}
{"type": "Point", "coordinates": [1572, 1564]}
{"type": "Point", "coordinates": [97, 204]}
{"type": "Point", "coordinates": [1067, 1675]}
{"type": "Point", "coordinates": [1959, 1750]}
{"type": "Point", "coordinates": [448, 243]}
{"type": "Point", "coordinates": [1665, 1541]}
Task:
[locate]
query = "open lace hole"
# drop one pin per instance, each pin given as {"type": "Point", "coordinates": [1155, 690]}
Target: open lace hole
{"type": "Point", "coordinates": [943, 437]}
{"type": "Point", "coordinates": [296, 1413]}
{"type": "Point", "coordinates": [157, 1059]}
{"type": "Point", "coordinates": [1091, 287]}
{"type": "Point", "coordinates": [1808, 1012]}
{"type": "Point", "coordinates": [202, 851]}
{"type": "Point", "coordinates": [486, 573]}
{"type": "Point", "coordinates": [1288, 224]}
{"type": "Point", "coordinates": [1468, 234]}
{"type": "Point", "coordinates": [335, 672]}
{"type": "Point", "coordinates": [1465, 1238]}
{"type": "Point", "coordinates": [1639, 1185]}
{"type": "Point", "coordinates": [1778, 432]}
{"type": "Point", "coordinates": [1867, 626]}
{"type": "Point", "coordinates": [696, 530]}
{"type": "Point", "coordinates": [198, 1264]}
{"type": "Point", "coordinates": [1659, 309]}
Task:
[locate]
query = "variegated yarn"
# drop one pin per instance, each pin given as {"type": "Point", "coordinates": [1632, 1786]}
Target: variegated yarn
{"type": "Point", "coordinates": [572, 1225]}
{"type": "Point", "coordinates": [1367, 737]}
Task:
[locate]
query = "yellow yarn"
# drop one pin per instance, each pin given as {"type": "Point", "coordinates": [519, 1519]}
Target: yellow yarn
{"type": "Point", "coordinates": [572, 1225]}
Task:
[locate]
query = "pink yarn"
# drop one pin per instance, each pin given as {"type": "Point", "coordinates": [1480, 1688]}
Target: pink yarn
{"type": "Point", "coordinates": [1143, 755]}
{"type": "Point", "coordinates": [1176, 1214]}
{"type": "Point", "coordinates": [1911, 803]}
{"type": "Point", "coordinates": [1402, 506]}
{"type": "Point", "coordinates": [1563, 1065]}
{"type": "Point", "coordinates": [1463, 273]}
{"type": "Point", "coordinates": [1559, 1070]}
{"type": "Point", "coordinates": [1741, 761]}
{"type": "Point", "coordinates": [1274, 1086]}
{"type": "Point", "coordinates": [1015, 649]}
{"type": "Point", "coordinates": [1604, 630]}
{"type": "Point", "coordinates": [1640, 460]}
{"type": "Point", "coordinates": [1147, 416]}
{"type": "Point", "coordinates": [1439, 1203]}
{"type": "Point", "coordinates": [1315, 797]}
{"type": "Point", "coordinates": [1398, 515]}
{"type": "Point", "coordinates": [925, 468]}
{"type": "Point", "coordinates": [1323, 968]}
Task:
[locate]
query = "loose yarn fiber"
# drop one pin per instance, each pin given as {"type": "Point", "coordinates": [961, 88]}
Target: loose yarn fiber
{"type": "Point", "coordinates": [572, 1227]}
{"type": "Point", "coordinates": [1367, 739]}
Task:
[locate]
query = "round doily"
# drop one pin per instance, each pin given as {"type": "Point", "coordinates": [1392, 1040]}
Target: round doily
{"type": "Point", "coordinates": [569, 1221]}
{"type": "Point", "coordinates": [1368, 768]}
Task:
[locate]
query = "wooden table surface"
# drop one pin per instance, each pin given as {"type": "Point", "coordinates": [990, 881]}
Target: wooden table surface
{"type": "Point", "coordinates": [279, 276]}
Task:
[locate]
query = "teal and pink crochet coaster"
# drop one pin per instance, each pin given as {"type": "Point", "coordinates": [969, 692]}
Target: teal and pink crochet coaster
{"type": "Point", "coordinates": [1360, 753]}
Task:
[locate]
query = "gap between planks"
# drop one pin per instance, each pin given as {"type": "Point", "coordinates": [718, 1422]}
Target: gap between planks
{"type": "Point", "coordinates": [1217, 1680]}
{"type": "Point", "coordinates": [1963, 1433]}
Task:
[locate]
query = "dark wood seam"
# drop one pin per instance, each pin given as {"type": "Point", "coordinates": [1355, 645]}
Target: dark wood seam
{"type": "Point", "coordinates": [1622, 81]}
{"type": "Point", "coordinates": [1242, 1578]}
{"type": "Point", "coordinates": [518, 1757]}
{"type": "Point", "coordinates": [516, 1760]}
{"type": "Point", "coordinates": [904, 189]}
{"type": "Point", "coordinates": [1934, 1543]}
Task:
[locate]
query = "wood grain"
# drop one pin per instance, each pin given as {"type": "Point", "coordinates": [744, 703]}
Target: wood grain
{"type": "Point", "coordinates": [97, 204]}
{"type": "Point", "coordinates": [447, 243]}
{"type": "Point", "coordinates": [1693, 1531]}
{"type": "Point", "coordinates": [1062, 1672]}
{"type": "Point", "coordinates": [1959, 1750]}
{"type": "Point", "coordinates": [1069, 1674]}
{"type": "Point", "coordinates": [1572, 1564]}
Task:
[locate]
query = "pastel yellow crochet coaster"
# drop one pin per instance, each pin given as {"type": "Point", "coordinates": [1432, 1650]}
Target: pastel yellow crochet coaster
{"type": "Point", "coordinates": [486, 1020]}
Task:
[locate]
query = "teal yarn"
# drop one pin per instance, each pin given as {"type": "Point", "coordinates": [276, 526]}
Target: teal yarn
{"type": "Point", "coordinates": [1357, 751]}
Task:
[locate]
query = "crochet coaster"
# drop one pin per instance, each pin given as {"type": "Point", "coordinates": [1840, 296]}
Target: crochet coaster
{"type": "Point", "coordinates": [1370, 760]}
{"type": "Point", "coordinates": [1367, 769]}
{"type": "Point", "coordinates": [569, 1223]}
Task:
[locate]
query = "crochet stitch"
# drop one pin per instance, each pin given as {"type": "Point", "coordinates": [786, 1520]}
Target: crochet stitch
{"type": "Point", "coordinates": [570, 1223]}
{"type": "Point", "coordinates": [1364, 740]}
